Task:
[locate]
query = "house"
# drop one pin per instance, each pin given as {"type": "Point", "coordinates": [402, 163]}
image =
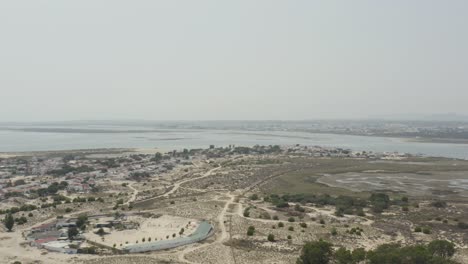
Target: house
{"type": "Point", "coordinates": [44, 228]}
{"type": "Point", "coordinates": [63, 224]}
{"type": "Point", "coordinates": [78, 187]}
{"type": "Point", "coordinates": [39, 242]}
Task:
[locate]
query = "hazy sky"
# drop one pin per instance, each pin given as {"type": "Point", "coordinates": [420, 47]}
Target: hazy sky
{"type": "Point", "coordinates": [251, 59]}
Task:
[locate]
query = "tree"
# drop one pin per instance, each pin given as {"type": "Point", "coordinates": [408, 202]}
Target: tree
{"type": "Point", "coordinates": [101, 232]}
{"type": "Point", "coordinates": [383, 254]}
{"type": "Point", "coordinates": [359, 255]}
{"type": "Point", "coordinates": [441, 248]}
{"type": "Point", "coordinates": [343, 256]}
{"type": "Point", "coordinates": [53, 188]}
{"type": "Point", "coordinates": [157, 157]}
{"type": "Point", "coordinates": [9, 222]}
{"type": "Point", "coordinates": [81, 222]}
{"type": "Point", "coordinates": [318, 252]}
{"type": "Point", "coordinates": [72, 232]}
{"type": "Point", "coordinates": [19, 182]}
{"type": "Point", "coordinates": [379, 201]}
{"type": "Point", "coordinates": [394, 253]}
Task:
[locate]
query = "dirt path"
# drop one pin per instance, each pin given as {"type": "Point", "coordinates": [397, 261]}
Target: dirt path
{"type": "Point", "coordinates": [224, 235]}
{"type": "Point", "coordinates": [134, 195]}
{"type": "Point", "coordinates": [177, 185]}
{"type": "Point", "coordinates": [222, 219]}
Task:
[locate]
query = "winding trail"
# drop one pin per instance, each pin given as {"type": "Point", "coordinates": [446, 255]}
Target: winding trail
{"type": "Point", "coordinates": [219, 239]}
{"type": "Point", "coordinates": [177, 184]}
{"type": "Point", "coordinates": [174, 188]}
{"type": "Point", "coordinates": [134, 195]}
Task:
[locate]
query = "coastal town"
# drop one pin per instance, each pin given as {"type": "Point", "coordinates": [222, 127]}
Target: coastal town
{"type": "Point", "coordinates": [36, 176]}
{"type": "Point", "coordinates": [178, 204]}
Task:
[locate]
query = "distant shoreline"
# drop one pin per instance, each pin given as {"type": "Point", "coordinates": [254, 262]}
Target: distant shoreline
{"type": "Point", "coordinates": [87, 131]}
{"type": "Point", "coordinates": [59, 153]}
{"type": "Point", "coordinates": [247, 132]}
{"type": "Point", "coordinates": [439, 140]}
{"type": "Point", "coordinates": [402, 137]}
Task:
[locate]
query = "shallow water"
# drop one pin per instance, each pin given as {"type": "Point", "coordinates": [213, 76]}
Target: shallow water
{"type": "Point", "coordinates": [15, 141]}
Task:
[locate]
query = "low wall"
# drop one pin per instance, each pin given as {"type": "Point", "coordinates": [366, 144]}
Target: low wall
{"type": "Point", "coordinates": [177, 242]}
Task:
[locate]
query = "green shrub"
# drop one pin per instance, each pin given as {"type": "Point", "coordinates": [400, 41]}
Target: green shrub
{"type": "Point", "coordinates": [251, 231]}
{"type": "Point", "coordinates": [462, 225]}
{"type": "Point", "coordinates": [271, 238]}
{"type": "Point", "coordinates": [439, 204]}
{"type": "Point", "coordinates": [426, 230]}
{"type": "Point", "coordinates": [254, 197]}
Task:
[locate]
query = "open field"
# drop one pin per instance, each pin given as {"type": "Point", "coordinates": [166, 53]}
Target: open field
{"type": "Point", "coordinates": [149, 229]}
{"type": "Point", "coordinates": [421, 177]}
{"type": "Point", "coordinates": [438, 184]}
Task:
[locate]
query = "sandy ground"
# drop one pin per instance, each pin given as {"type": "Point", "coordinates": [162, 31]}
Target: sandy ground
{"type": "Point", "coordinates": [14, 248]}
{"type": "Point", "coordinates": [154, 228]}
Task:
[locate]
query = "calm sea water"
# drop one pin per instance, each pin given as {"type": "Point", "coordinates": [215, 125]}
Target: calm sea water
{"type": "Point", "coordinates": [15, 141]}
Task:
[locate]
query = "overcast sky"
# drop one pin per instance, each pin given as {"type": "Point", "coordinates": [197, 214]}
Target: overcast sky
{"type": "Point", "coordinates": [242, 59]}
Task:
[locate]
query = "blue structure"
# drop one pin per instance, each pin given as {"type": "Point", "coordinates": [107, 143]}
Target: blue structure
{"type": "Point", "coordinates": [203, 231]}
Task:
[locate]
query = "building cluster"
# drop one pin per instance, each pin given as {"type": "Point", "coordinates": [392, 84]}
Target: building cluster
{"type": "Point", "coordinates": [38, 177]}
{"type": "Point", "coordinates": [318, 151]}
